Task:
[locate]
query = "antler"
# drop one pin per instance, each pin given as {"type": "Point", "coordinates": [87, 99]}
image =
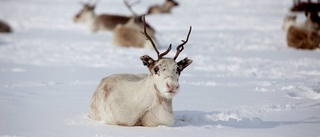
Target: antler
{"type": "Point", "coordinates": [129, 6]}
{"type": "Point", "coordinates": [180, 47]}
{"type": "Point", "coordinates": [96, 2]}
{"type": "Point", "coordinates": [149, 38]}
{"type": "Point", "coordinates": [88, 3]}
{"type": "Point", "coordinates": [85, 3]}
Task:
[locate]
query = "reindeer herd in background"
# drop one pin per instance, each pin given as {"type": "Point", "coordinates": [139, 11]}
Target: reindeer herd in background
{"type": "Point", "coordinates": [126, 29]}
{"type": "Point", "coordinates": [304, 35]}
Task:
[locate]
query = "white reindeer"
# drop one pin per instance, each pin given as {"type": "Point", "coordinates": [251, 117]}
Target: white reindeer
{"type": "Point", "coordinates": [302, 36]}
{"type": "Point", "coordinates": [129, 34]}
{"type": "Point", "coordinates": [164, 8]}
{"type": "Point", "coordinates": [141, 100]}
{"type": "Point", "coordinates": [103, 22]}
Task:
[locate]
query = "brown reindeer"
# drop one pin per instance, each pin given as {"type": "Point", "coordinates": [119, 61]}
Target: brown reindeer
{"type": "Point", "coordinates": [302, 36]}
{"type": "Point", "coordinates": [164, 8]}
{"type": "Point", "coordinates": [129, 34]}
{"type": "Point", "coordinates": [103, 22]}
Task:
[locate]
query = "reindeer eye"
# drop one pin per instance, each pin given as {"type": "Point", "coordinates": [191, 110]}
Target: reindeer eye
{"type": "Point", "coordinates": [156, 70]}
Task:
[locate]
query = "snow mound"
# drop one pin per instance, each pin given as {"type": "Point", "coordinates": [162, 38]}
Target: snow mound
{"type": "Point", "coordinates": [304, 92]}
{"type": "Point", "coordinates": [229, 120]}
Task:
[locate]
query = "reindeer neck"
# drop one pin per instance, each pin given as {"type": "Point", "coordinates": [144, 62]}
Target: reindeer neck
{"type": "Point", "coordinates": [90, 17]}
{"type": "Point", "coordinates": [159, 99]}
{"type": "Point", "coordinates": [131, 24]}
{"type": "Point", "coordinates": [92, 21]}
{"type": "Point", "coordinates": [309, 25]}
{"type": "Point", "coordinates": [144, 85]}
{"type": "Point", "coordinates": [166, 6]}
{"type": "Point", "coordinates": [288, 24]}
{"type": "Point", "coordinates": [149, 88]}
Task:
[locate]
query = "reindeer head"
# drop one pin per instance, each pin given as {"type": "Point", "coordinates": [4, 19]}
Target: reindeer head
{"type": "Point", "coordinates": [85, 13]}
{"type": "Point", "coordinates": [288, 21]}
{"type": "Point", "coordinates": [166, 71]}
{"type": "Point", "coordinates": [172, 3]}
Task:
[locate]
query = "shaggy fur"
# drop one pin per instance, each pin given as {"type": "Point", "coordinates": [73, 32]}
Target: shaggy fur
{"type": "Point", "coordinates": [302, 36]}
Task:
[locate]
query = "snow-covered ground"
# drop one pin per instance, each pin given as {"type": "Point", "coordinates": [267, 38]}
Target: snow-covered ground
{"type": "Point", "coordinates": [243, 82]}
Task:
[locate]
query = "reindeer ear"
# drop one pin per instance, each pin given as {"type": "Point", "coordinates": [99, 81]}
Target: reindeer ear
{"type": "Point", "coordinates": [147, 61]}
{"type": "Point", "coordinates": [184, 63]}
{"type": "Point", "coordinates": [138, 19]}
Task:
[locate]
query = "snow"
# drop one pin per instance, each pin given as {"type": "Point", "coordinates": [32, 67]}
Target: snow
{"type": "Point", "coordinates": [243, 82]}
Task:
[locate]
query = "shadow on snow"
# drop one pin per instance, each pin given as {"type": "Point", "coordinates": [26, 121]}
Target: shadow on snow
{"type": "Point", "coordinates": [230, 119]}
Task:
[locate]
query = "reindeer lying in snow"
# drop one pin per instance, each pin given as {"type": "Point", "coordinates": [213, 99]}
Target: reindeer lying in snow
{"type": "Point", "coordinates": [140, 100]}
{"type": "Point", "coordinates": [129, 34]}
{"type": "Point", "coordinates": [164, 8]}
{"type": "Point", "coordinates": [103, 22]}
{"type": "Point", "coordinates": [302, 36]}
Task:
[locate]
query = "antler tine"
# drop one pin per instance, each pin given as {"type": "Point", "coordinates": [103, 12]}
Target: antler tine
{"type": "Point", "coordinates": [129, 6]}
{"type": "Point", "coordinates": [166, 52]}
{"type": "Point", "coordinates": [180, 47]}
{"type": "Point", "coordinates": [136, 2]}
{"type": "Point", "coordinates": [150, 39]}
{"type": "Point", "coordinates": [147, 35]}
